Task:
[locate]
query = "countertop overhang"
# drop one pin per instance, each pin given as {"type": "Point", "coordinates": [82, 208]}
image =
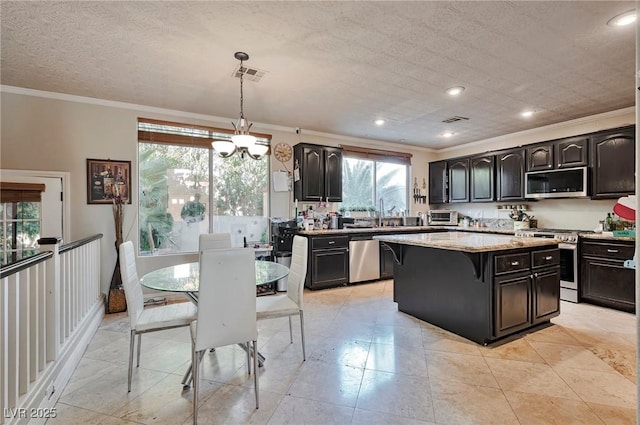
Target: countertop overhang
{"type": "Point", "coordinates": [467, 242]}
{"type": "Point", "coordinates": [404, 229]}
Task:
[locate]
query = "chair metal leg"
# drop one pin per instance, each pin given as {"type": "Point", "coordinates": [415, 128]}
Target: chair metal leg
{"type": "Point", "coordinates": [139, 347]}
{"type": "Point", "coordinates": [255, 372]}
{"type": "Point", "coordinates": [131, 344]}
{"type": "Point", "coordinates": [248, 350]}
{"type": "Point", "coordinates": [304, 355]}
{"type": "Point", "coordinates": [290, 330]}
{"type": "Point", "coordinates": [196, 366]}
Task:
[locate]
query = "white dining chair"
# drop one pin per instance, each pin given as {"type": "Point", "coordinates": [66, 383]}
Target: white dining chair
{"type": "Point", "coordinates": [214, 241]}
{"type": "Point", "coordinates": [291, 303]}
{"type": "Point", "coordinates": [226, 309]}
{"type": "Point", "coordinates": [150, 319]}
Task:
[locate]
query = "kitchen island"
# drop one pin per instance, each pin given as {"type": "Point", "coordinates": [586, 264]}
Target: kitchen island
{"type": "Point", "coordinates": [483, 287]}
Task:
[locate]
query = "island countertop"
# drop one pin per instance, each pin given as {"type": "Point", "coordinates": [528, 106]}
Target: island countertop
{"type": "Point", "coordinates": [467, 242]}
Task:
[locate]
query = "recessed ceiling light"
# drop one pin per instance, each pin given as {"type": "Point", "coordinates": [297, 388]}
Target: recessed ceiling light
{"type": "Point", "coordinates": [379, 122]}
{"type": "Point", "coordinates": [454, 91]}
{"type": "Point", "coordinates": [447, 134]}
{"type": "Point", "coordinates": [526, 114]}
{"type": "Point", "coordinates": [623, 19]}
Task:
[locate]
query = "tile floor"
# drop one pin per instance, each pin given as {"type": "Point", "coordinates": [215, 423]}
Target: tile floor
{"type": "Point", "coordinates": [368, 364]}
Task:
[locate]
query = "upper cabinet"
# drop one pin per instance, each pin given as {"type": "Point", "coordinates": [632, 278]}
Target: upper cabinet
{"type": "Point", "coordinates": [482, 178]}
{"type": "Point", "coordinates": [459, 180]}
{"type": "Point", "coordinates": [561, 153]}
{"type": "Point", "coordinates": [540, 157]}
{"type": "Point", "coordinates": [572, 152]}
{"type": "Point", "coordinates": [320, 173]}
{"type": "Point", "coordinates": [510, 175]}
{"type": "Point", "coordinates": [438, 182]}
{"type": "Point", "coordinates": [613, 162]}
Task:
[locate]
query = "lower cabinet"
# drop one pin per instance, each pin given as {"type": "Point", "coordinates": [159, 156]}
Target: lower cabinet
{"type": "Point", "coordinates": [328, 263]}
{"type": "Point", "coordinates": [604, 280]}
{"type": "Point", "coordinates": [526, 289]}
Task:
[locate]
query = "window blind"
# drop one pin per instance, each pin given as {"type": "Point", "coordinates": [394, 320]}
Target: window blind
{"type": "Point", "coordinates": [376, 154]}
{"type": "Point", "coordinates": [20, 192]}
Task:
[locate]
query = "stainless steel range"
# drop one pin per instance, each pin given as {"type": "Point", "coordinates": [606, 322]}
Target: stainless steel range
{"type": "Point", "coordinates": [568, 245]}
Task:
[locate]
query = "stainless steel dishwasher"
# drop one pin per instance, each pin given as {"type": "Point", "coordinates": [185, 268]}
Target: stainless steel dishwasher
{"type": "Point", "coordinates": [364, 259]}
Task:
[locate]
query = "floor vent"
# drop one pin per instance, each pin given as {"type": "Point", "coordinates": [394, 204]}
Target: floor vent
{"type": "Point", "coordinates": [251, 74]}
{"type": "Point", "coordinates": [454, 119]}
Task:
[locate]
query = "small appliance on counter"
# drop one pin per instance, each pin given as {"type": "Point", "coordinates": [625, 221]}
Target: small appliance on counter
{"type": "Point", "coordinates": [282, 234]}
{"type": "Point", "coordinates": [442, 218]}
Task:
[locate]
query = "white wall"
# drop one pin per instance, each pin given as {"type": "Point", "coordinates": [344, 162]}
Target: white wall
{"type": "Point", "coordinates": [52, 132]}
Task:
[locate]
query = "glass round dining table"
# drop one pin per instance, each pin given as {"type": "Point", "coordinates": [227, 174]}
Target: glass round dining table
{"type": "Point", "coordinates": [186, 277]}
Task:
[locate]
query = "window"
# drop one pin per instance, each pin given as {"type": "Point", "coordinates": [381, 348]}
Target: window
{"type": "Point", "coordinates": [185, 189]}
{"type": "Point", "coordinates": [20, 220]}
{"type": "Point", "coordinates": [369, 175]}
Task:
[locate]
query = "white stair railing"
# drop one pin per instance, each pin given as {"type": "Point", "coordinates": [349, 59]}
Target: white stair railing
{"type": "Point", "coordinates": [44, 299]}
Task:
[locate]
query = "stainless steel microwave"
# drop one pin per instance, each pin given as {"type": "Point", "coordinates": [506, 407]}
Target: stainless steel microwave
{"type": "Point", "coordinates": [563, 183]}
{"type": "Point", "coordinates": [442, 218]}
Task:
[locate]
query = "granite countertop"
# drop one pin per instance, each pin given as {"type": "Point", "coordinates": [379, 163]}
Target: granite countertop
{"type": "Point", "coordinates": [467, 242]}
{"type": "Point", "coordinates": [392, 229]}
{"type": "Point", "coordinates": [604, 236]}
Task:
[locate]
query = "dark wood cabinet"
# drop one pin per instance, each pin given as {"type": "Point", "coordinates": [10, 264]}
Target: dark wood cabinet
{"type": "Point", "coordinates": [526, 289]}
{"type": "Point", "coordinates": [604, 280]}
{"type": "Point", "coordinates": [482, 178]}
{"type": "Point", "coordinates": [572, 152]}
{"type": "Point", "coordinates": [540, 157]}
{"type": "Point", "coordinates": [510, 171]}
{"type": "Point", "coordinates": [328, 262]}
{"type": "Point", "coordinates": [438, 179]}
{"type": "Point", "coordinates": [320, 172]}
{"type": "Point", "coordinates": [386, 262]}
{"type": "Point", "coordinates": [459, 180]}
{"type": "Point", "coordinates": [613, 163]}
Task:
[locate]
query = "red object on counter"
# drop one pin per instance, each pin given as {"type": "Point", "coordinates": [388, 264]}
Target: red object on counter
{"type": "Point", "coordinates": [626, 208]}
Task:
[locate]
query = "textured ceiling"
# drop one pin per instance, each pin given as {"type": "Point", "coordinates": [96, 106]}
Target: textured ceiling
{"type": "Point", "coordinates": [334, 66]}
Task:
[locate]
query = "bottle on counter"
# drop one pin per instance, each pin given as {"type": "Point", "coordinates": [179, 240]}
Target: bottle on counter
{"type": "Point", "coordinates": [608, 223]}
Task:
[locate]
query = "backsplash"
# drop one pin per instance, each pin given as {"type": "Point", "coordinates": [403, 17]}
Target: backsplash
{"type": "Point", "coordinates": [571, 214]}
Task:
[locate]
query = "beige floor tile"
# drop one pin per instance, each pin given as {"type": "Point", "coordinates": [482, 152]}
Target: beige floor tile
{"type": "Point", "coordinates": [221, 364]}
{"type": "Point", "coordinates": [396, 318]}
{"type": "Point", "coordinates": [397, 335]}
{"type": "Point", "coordinates": [534, 409]}
{"type": "Point", "coordinates": [457, 403]}
{"type": "Point", "coordinates": [611, 389]}
{"type": "Point", "coordinates": [464, 368]}
{"type": "Point", "coordinates": [395, 394]}
{"type": "Point", "coordinates": [327, 382]}
{"type": "Point", "coordinates": [166, 402]}
{"type": "Point", "coordinates": [87, 371]}
{"type": "Point", "coordinates": [233, 404]}
{"type": "Point", "coordinates": [277, 374]}
{"type": "Point", "coordinates": [563, 355]}
{"type": "Point", "coordinates": [621, 359]}
{"type": "Point", "coordinates": [554, 333]}
{"type": "Point", "coordinates": [528, 377]}
{"type": "Point", "coordinates": [352, 331]}
{"type": "Point", "coordinates": [367, 417]}
{"type": "Point", "coordinates": [294, 411]}
{"type": "Point", "coordinates": [438, 340]}
{"type": "Point", "coordinates": [519, 349]}
{"type": "Point", "coordinates": [71, 415]}
{"type": "Point", "coordinates": [397, 359]}
{"type": "Point", "coordinates": [339, 351]}
{"type": "Point", "coordinates": [612, 415]}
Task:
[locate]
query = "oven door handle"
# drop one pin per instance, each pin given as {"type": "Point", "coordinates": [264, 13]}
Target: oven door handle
{"type": "Point", "coordinates": [569, 246]}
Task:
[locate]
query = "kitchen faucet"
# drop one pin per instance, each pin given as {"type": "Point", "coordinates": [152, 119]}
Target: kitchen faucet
{"type": "Point", "coordinates": [381, 214]}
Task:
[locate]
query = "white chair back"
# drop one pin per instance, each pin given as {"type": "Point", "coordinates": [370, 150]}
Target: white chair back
{"type": "Point", "coordinates": [298, 269]}
{"type": "Point", "coordinates": [214, 241]}
{"type": "Point", "coordinates": [131, 282]}
{"type": "Point", "coordinates": [227, 298]}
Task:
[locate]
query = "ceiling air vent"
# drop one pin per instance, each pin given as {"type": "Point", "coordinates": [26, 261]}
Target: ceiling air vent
{"type": "Point", "coordinates": [454, 119]}
{"type": "Point", "coordinates": [251, 74]}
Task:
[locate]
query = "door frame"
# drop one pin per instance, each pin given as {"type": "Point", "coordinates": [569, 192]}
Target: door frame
{"type": "Point", "coordinates": [65, 178]}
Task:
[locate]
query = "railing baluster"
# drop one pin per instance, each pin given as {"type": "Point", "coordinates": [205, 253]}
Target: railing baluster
{"type": "Point", "coordinates": [12, 340]}
{"type": "Point", "coordinates": [24, 329]}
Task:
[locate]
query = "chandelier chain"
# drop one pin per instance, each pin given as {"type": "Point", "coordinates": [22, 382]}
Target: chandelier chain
{"type": "Point", "coordinates": [241, 90]}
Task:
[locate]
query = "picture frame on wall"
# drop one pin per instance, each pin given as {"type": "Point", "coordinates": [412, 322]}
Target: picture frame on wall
{"type": "Point", "coordinates": [106, 179]}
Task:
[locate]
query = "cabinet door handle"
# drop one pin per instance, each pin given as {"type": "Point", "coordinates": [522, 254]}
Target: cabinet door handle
{"type": "Point", "coordinates": [613, 251]}
{"type": "Point", "coordinates": [548, 258]}
{"type": "Point", "coordinates": [515, 263]}
{"type": "Point", "coordinates": [332, 242]}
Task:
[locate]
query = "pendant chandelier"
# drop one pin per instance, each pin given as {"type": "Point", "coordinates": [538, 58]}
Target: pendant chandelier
{"type": "Point", "coordinates": [241, 141]}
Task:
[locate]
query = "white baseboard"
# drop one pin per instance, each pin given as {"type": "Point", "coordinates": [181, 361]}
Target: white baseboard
{"type": "Point", "coordinates": [44, 395]}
